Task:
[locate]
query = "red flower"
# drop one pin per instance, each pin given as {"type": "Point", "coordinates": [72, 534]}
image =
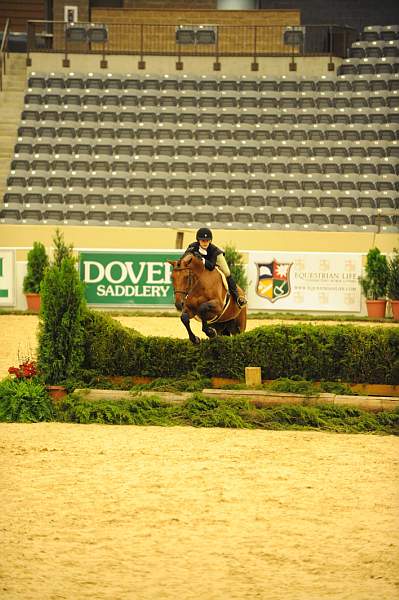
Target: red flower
{"type": "Point", "coordinates": [26, 370]}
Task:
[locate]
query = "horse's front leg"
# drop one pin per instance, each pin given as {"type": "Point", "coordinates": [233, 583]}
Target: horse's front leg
{"type": "Point", "coordinates": [185, 319]}
{"type": "Point", "coordinates": [203, 312]}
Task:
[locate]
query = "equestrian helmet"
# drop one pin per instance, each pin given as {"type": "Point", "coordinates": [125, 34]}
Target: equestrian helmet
{"type": "Point", "coordinates": [204, 234]}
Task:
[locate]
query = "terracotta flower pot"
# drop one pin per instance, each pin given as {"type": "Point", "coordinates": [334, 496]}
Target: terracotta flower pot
{"type": "Point", "coordinates": [395, 309]}
{"type": "Point", "coordinates": [33, 302]}
{"type": "Point", "coordinates": [57, 392]}
{"type": "Point", "coordinates": [376, 308]}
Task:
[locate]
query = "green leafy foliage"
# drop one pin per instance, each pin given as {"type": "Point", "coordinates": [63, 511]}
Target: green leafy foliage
{"type": "Point", "coordinates": [61, 332]}
{"type": "Point", "coordinates": [202, 411]}
{"type": "Point", "coordinates": [393, 278]}
{"type": "Point", "coordinates": [61, 249]}
{"type": "Point", "coordinates": [135, 411]}
{"type": "Point", "coordinates": [374, 283]}
{"type": "Point", "coordinates": [236, 264]}
{"type": "Point", "coordinates": [299, 386]}
{"type": "Point", "coordinates": [25, 401]}
{"type": "Point", "coordinates": [191, 382]}
{"type": "Point", "coordinates": [341, 353]}
{"type": "Point", "coordinates": [328, 418]}
{"type": "Point", "coordinates": [37, 265]}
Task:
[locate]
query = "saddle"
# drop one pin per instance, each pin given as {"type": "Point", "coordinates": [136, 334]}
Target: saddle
{"type": "Point", "coordinates": [227, 298]}
{"type": "Point", "coordinates": [224, 280]}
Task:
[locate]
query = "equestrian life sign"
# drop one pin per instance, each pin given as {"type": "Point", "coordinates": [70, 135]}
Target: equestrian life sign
{"type": "Point", "coordinates": [128, 278]}
{"type": "Point", "coordinates": [324, 281]}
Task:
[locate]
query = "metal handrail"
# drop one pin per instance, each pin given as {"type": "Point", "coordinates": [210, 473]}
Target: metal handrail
{"type": "Point", "coordinates": [4, 52]}
{"type": "Point", "coordinates": [158, 39]}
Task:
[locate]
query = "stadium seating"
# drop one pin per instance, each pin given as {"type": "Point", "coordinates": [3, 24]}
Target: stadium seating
{"type": "Point", "coordinates": [273, 152]}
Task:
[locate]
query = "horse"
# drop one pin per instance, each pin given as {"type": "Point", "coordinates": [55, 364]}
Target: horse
{"type": "Point", "coordinates": [202, 294]}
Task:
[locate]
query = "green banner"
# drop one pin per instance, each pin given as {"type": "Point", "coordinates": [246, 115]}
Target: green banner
{"type": "Point", "coordinates": [7, 277]}
{"type": "Point", "coordinates": [139, 278]}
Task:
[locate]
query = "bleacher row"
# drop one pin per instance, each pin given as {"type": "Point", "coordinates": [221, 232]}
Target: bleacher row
{"type": "Point", "coordinates": [289, 152]}
{"type": "Point", "coordinates": [379, 33]}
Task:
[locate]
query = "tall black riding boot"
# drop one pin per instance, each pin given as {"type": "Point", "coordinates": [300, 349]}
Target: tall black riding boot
{"type": "Point", "coordinates": [240, 300]}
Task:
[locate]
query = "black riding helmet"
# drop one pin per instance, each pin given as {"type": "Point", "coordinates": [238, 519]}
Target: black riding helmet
{"type": "Point", "coordinates": [204, 234]}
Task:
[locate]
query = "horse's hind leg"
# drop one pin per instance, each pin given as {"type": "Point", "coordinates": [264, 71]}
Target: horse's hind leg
{"type": "Point", "coordinates": [185, 319]}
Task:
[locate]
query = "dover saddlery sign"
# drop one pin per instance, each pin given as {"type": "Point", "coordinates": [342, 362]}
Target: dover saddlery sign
{"type": "Point", "coordinates": [128, 278]}
{"type": "Point", "coordinates": [324, 281]}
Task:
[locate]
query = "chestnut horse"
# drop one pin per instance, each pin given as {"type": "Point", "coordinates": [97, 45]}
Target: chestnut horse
{"type": "Point", "coordinates": [201, 293]}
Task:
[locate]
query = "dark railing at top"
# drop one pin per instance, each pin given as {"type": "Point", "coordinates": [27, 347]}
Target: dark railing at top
{"type": "Point", "coordinates": [168, 40]}
{"type": "Point", "coordinates": [4, 52]}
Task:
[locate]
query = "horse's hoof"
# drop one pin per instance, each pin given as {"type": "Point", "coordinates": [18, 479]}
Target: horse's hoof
{"type": "Point", "coordinates": [195, 340]}
{"type": "Point", "coordinates": [211, 332]}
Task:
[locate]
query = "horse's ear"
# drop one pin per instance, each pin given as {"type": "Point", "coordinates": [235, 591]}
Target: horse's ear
{"type": "Point", "coordinates": [172, 262]}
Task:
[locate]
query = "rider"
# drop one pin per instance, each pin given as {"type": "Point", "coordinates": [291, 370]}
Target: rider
{"type": "Point", "coordinates": [213, 256]}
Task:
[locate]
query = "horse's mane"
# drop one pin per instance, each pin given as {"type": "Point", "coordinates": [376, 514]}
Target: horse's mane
{"type": "Point", "coordinates": [193, 253]}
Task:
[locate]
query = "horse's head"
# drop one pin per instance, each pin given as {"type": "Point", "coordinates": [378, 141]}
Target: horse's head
{"type": "Point", "coordinates": [182, 279]}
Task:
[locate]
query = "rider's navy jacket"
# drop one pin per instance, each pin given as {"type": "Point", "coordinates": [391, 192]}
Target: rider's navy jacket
{"type": "Point", "coordinates": [210, 255]}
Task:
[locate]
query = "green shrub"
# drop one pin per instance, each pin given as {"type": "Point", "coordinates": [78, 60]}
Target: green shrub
{"type": "Point", "coordinates": [393, 278]}
{"type": "Point", "coordinates": [37, 265]}
{"type": "Point", "coordinates": [375, 281]}
{"type": "Point", "coordinates": [61, 332]}
{"type": "Point", "coordinates": [236, 264]}
{"type": "Point", "coordinates": [24, 400]}
{"type": "Point", "coordinates": [341, 353]}
{"type": "Point", "coordinates": [61, 249]}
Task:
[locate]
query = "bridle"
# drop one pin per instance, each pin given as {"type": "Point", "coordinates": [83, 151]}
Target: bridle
{"type": "Point", "coordinates": [191, 281]}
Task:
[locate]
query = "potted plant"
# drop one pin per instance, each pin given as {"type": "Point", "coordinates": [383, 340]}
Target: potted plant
{"type": "Point", "coordinates": [393, 283]}
{"type": "Point", "coordinates": [37, 265]}
{"type": "Point", "coordinates": [374, 283]}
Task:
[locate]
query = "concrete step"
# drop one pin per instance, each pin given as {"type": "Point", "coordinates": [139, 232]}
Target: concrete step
{"type": "Point", "coordinates": [8, 120]}
{"type": "Point", "coordinates": [11, 106]}
{"type": "Point", "coordinates": [14, 87]}
{"type": "Point", "coordinates": [7, 93]}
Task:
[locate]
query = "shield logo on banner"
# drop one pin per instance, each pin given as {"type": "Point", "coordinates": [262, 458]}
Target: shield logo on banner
{"type": "Point", "coordinates": [273, 280]}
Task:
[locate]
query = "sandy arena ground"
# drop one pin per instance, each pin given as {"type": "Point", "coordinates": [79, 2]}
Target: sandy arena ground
{"type": "Point", "coordinates": [147, 513]}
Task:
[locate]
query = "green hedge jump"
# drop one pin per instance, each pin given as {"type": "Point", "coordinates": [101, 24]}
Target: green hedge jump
{"type": "Point", "coordinates": [354, 354]}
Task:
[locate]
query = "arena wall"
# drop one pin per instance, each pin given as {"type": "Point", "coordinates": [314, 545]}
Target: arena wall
{"type": "Point", "coordinates": [23, 236]}
{"type": "Point", "coordinates": [192, 66]}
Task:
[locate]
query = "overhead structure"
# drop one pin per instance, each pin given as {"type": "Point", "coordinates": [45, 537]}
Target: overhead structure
{"type": "Point", "coordinates": [237, 4]}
